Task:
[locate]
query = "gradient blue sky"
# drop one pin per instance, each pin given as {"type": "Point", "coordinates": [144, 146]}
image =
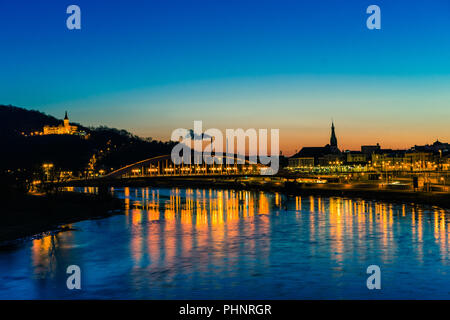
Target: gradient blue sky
{"type": "Point", "coordinates": [153, 66]}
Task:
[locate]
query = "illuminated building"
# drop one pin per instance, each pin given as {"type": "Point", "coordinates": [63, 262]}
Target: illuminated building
{"type": "Point", "coordinates": [329, 158]}
{"type": "Point", "coordinates": [301, 162]}
{"type": "Point", "coordinates": [355, 157]}
{"type": "Point", "coordinates": [321, 155]}
{"type": "Point", "coordinates": [64, 128]}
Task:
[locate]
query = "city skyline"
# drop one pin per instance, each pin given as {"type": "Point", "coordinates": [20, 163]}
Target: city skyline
{"type": "Point", "coordinates": [152, 68]}
{"type": "Point", "coordinates": [66, 128]}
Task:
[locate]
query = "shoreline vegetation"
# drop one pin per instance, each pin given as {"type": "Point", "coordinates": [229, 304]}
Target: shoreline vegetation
{"type": "Point", "coordinates": [29, 215]}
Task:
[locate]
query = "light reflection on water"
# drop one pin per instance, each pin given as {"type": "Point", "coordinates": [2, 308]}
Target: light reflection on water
{"type": "Point", "coordinates": [220, 244]}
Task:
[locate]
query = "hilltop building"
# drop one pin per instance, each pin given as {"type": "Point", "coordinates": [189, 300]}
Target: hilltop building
{"type": "Point", "coordinates": [64, 128]}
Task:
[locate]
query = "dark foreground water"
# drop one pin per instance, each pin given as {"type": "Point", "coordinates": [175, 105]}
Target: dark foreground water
{"type": "Point", "coordinates": [206, 244]}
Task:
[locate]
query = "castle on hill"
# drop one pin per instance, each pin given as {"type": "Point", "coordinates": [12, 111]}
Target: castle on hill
{"type": "Point", "coordinates": [64, 128]}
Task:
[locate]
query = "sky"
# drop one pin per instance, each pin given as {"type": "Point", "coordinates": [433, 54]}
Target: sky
{"type": "Point", "coordinates": [153, 66]}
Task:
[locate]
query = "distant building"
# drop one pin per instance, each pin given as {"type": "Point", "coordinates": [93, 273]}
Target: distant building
{"type": "Point", "coordinates": [333, 139]}
{"type": "Point", "coordinates": [65, 128]}
{"type": "Point", "coordinates": [436, 147]}
{"type": "Point", "coordinates": [329, 154]}
{"type": "Point", "coordinates": [418, 157]}
{"type": "Point", "coordinates": [446, 163]}
{"type": "Point", "coordinates": [304, 162]}
{"type": "Point", "coordinates": [371, 149]}
{"type": "Point", "coordinates": [387, 157]}
{"type": "Point", "coordinates": [434, 156]}
{"type": "Point", "coordinates": [356, 157]}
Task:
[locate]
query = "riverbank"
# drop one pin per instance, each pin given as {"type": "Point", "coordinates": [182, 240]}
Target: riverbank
{"type": "Point", "coordinates": [29, 215]}
{"type": "Point", "coordinates": [438, 199]}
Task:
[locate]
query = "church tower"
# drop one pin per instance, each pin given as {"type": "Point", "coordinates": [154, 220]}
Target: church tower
{"type": "Point", "coordinates": [333, 139]}
{"type": "Point", "coordinates": [66, 121]}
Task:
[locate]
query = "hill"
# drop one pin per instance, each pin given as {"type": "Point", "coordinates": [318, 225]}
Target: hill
{"type": "Point", "coordinates": [13, 120]}
{"type": "Point", "coordinates": [102, 148]}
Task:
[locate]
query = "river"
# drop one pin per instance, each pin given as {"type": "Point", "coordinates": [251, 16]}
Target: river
{"type": "Point", "coordinates": [224, 244]}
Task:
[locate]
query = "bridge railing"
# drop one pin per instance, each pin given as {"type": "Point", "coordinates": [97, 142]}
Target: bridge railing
{"type": "Point", "coordinates": [192, 171]}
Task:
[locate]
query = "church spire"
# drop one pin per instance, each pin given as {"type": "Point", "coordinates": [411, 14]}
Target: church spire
{"type": "Point", "coordinates": [333, 139]}
{"type": "Point", "coordinates": [66, 117]}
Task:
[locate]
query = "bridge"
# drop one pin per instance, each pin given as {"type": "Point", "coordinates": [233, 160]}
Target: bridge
{"type": "Point", "coordinates": [163, 166]}
{"type": "Point", "coordinates": [160, 171]}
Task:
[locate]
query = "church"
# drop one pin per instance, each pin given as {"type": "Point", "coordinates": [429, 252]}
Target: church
{"type": "Point", "coordinates": [64, 128]}
{"type": "Point", "coordinates": [313, 156]}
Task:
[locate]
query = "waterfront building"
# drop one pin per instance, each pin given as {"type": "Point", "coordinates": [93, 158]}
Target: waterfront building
{"type": "Point", "coordinates": [445, 162]}
{"type": "Point", "coordinates": [322, 156]}
{"type": "Point", "coordinates": [304, 162]}
{"type": "Point", "coordinates": [355, 157]}
{"type": "Point", "coordinates": [436, 147]}
{"type": "Point", "coordinates": [371, 149]}
{"type": "Point", "coordinates": [387, 158]}
{"type": "Point", "coordinates": [432, 157]}
{"type": "Point", "coordinates": [331, 159]}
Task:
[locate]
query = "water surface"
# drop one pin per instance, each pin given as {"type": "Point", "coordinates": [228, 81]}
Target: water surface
{"type": "Point", "coordinates": [213, 244]}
